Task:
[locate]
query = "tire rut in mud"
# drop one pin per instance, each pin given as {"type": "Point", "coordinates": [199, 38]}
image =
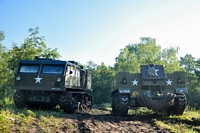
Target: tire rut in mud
{"type": "Point", "coordinates": [101, 120]}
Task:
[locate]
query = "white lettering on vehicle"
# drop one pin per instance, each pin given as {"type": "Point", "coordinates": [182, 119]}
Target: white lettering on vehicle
{"type": "Point", "coordinates": [55, 88]}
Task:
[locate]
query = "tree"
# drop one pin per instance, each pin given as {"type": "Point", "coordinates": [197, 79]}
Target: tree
{"type": "Point", "coordinates": [188, 63]}
{"type": "Point", "coordinates": [4, 73]}
{"type": "Point", "coordinates": [91, 66]}
{"type": "Point", "coordinates": [145, 52]}
{"type": "Point", "coordinates": [2, 36]}
{"type": "Point", "coordinates": [148, 51]}
{"type": "Point", "coordinates": [191, 66]}
{"type": "Point", "coordinates": [127, 61]}
{"type": "Point", "coordinates": [33, 46]}
{"type": "Point", "coordinates": [170, 60]}
{"type": "Point", "coordinates": [101, 78]}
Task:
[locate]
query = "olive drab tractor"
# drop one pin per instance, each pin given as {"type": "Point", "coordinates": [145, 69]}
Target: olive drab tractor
{"type": "Point", "coordinates": [151, 88]}
{"type": "Point", "coordinates": [48, 83]}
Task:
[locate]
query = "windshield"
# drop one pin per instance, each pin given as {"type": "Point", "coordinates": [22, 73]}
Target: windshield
{"type": "Point", "coordinates": [55, 69]}
{"type": "Point", "coordinates": [29, 68]}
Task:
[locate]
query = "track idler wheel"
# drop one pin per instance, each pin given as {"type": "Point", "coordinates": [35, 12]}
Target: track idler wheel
{"type": "Point", "coordinates": [66, 102]}
{"type": "Point", "coordinates": [180, 105]}
{"type": "Point", "coordinates": [120, 105]}
{"type": "Point", "coordinates": [20, 99]}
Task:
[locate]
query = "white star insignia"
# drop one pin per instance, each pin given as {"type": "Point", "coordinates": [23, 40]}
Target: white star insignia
{"type": "Point", "coordinates": [152, 71]}
{"type": "Point", "coordinates": [135, 82]}
{"type": "Point", "coordinates": [169, 82]}
{"type": "Point", "coordinates": [156, 72]}
{"type": "Point", "coordinates": [37, 80]}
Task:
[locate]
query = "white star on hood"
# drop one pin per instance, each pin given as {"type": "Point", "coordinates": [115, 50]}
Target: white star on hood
{"type": "Point", "coordinates": [37, 80]}
{"type": "Point", "coordinates": [169, 82]}
{"type": "Point", "coordinates": [135, 82]}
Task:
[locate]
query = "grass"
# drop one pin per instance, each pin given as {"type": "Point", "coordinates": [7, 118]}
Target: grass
{"type": "Point", "coordinates": [188, 122]}
{"type": "Point", "coordinates": [140, 111]}
{"type": "Point", "coordinates": [49, 124]}
{"type": "Point", "coordinates": [21, 120]}
{"type": "Point", "coordinates": [176, 128]}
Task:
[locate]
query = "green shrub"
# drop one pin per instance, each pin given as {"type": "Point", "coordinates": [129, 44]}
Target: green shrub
{"type": "Point", "coordinates": [1, 104]}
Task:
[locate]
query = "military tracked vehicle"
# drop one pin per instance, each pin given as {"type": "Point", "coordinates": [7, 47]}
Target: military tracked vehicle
{"type": "Point", "coordinates": [151, 88]}
{"type": "Point", "coordinates": [48, 83]}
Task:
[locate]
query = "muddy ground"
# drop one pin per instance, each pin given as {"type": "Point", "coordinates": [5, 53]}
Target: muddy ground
{"type": "Point", "coordinates": [96, 120]}
{"type": "Point", "coordinates": [101, 121]}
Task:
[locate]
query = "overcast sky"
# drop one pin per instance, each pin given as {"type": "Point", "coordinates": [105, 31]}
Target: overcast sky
{"type": "Point", "coordinates": [85, 30]}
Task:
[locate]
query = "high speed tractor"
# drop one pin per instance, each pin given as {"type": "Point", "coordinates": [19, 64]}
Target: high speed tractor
{"type": "Point", "coordinates": [48, 83]}
{"type": "Point", "coordinates": [151, 88]}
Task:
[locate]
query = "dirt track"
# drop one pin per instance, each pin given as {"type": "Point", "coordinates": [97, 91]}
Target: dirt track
{"type": "Point", "coordinates": [98, 121]}
{"type": "Point", "coordinates": [94, 121]}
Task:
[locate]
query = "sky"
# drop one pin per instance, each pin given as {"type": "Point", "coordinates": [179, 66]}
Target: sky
{"type": "Point", "coordinates": [96, 30]}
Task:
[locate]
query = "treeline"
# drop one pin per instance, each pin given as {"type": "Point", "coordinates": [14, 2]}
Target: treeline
{"type": "Point", "coordinates": [129, 59]}
{"type": "Point", "coordinates": [146, 52]}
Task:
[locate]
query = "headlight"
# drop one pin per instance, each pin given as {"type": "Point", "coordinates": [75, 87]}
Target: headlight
{"type": "Point", "coordinates": [18, 78]}
{"type": "Point", "coordinates": [179, 80]}
{"type": "Point", "coordinates": [124, 81]}
{"type": "Point", "coordinates": [58, 79]}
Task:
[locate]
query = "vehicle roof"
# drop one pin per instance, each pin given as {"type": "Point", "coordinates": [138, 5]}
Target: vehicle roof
{"type": "Point", "coordinates": [47, 61]}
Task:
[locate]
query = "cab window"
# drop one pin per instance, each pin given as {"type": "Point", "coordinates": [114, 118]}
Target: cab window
{"type": "Point", "coordinates": [55, 69]}
{"type": "Point", "coordinates": [29, 68]}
